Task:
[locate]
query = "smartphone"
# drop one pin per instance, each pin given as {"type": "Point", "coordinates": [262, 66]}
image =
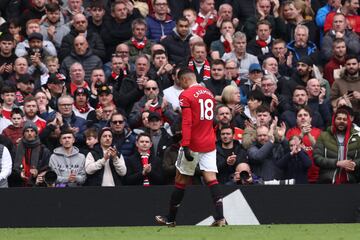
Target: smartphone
{"type": "Point", "coordinates": [350, 92]}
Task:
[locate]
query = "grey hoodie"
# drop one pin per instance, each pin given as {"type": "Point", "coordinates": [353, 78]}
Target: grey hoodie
{"type": "Point", "coordinates": [62, 30]}
{"type": "Point", "coordinates": [64, 164]}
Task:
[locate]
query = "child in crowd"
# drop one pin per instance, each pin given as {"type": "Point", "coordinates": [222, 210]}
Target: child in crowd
{"type": "Point", "coordinates": [15, 130]}
{"type": "Point", "coordinates": [91, 137]}
{"type": "Point", "coordinates": [191, 15]}
{"type": "Point", "coordinates": [8, 96]}
{"type": "Point", "coordinates": [52, 64]}
{"type": "Point", "coordinates": [14, 28]}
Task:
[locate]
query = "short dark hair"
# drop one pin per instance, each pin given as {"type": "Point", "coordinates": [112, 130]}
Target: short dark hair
{"type": "Point", "coordinates": [299, 87]}
{"type": "Point", "coordinates": [183, 71]}
{"type": "Point", "coordinates": [8, 89]}
{"type": "Point", "coordinates": [159, 52]}
{"type": "Point", "coordinates": [182, 19]}
{"type": "Point", "coordinates": [217, 62]}
{"type": "Point", "coordinates": [52, 7]}
{"type": "Point", "coordinates": [143, 134]}
{"type": "Point", "coordinates": [263, 108]}
{"type": "Point", "coordinates": [256, 95]}
{"type": "Point", "coordinates": [227, 126]}
{"type": "Point", "coordinates": [350, 57]}
{"type": "Point", "coordinates": [17, 111]}
{"type": "Point", "coordinates": [7, 38]}
{"type": "Point", "coordinates": [305, 108]}
{"type": "Point", "coordinates": [97, 4]}
{"type": "Point", "coordinates": [67, 130]}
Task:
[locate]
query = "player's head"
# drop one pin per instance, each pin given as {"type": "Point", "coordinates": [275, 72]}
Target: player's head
{"type": "Point", "coordinates": [186, 78]}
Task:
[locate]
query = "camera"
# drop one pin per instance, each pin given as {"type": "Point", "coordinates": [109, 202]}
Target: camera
{"type": "Point", "coordinates": [280, 182]}
{"type": "Point", "coordinates": [50, 178]}
{"type": "Point", "coordinates": [244, 175]}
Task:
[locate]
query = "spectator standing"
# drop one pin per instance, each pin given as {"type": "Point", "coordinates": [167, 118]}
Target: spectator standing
{"type": "Point", "coordinates": [104, 165]}
{"type": "Point", "coordinates": [338, 164]}
{"type": "Point", "coordinates": [67, 162]}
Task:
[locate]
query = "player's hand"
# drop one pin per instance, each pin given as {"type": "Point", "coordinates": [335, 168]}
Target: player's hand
{"type": "Point", "coordinates": [188, 154]}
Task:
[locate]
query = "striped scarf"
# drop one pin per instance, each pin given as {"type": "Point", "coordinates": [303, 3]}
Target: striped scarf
{"type": "Point", "coordinates": [206, 67]}
{"type": "Point", "coordinates": [145, 161]}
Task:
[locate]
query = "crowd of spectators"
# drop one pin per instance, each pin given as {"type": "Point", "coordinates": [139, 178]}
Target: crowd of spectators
{"type": "Point", "coordinates": [89, 89]}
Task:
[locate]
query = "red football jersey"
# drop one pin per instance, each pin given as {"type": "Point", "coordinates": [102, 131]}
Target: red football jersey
{"type": "Point", "coordinates": [197, 103]}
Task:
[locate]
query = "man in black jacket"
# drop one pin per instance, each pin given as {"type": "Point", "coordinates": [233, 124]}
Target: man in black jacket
{"type": "Point", "coordinates": [229, 154]}
{"type": "Point", "coordinates": [143, 168]}
{"type": "Point", "coordinates": [177, 44]}
{"type": "Point", "coordinates": [79, 27]}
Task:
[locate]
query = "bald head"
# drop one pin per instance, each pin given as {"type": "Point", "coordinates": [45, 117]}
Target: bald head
{"type": "Point", "coordinates": [80, 45]}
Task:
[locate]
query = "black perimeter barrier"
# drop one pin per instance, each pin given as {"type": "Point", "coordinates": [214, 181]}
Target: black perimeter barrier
{"type": "Point", "coordinates": [137, 206]}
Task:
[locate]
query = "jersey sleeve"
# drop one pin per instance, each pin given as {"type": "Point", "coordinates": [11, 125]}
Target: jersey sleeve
{"type": "Point", "coordinates": [184, 101]}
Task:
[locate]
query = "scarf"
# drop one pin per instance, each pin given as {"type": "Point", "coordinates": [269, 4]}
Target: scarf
{"type": "Point", "coordinates": [139, 45]}
{"type": "Point", "coordinates": [263, 44]}
{"type": "Point", "coordinates": [28, 154]}
{"type": "Point", "coordinates": [341, 176]}
{"type": "Point", "coordinates": [144, 161]}
{"type": "Point", "coordinates": [226, 44]}
{"type": "Point", "coordinates": [206, 67]}
{"type": "Point", "coordinates": [83, 109]}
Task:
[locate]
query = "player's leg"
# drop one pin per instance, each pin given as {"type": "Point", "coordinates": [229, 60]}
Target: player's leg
{"type": "Point", "coordinates": [175, 200]}
{"type": "Point", "coordinates": [216, 195]}
{"type": "Point", "coordinates": [178, 194]}
{"type": "Point", "coordinates": [207, 163]}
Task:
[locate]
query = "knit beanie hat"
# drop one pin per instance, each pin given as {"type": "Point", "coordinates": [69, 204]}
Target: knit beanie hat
{"type": "Point", "coordinates": [30, 124]}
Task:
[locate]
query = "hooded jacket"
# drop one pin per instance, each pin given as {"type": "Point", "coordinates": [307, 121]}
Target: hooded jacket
{"type": "Point", "coordinates": [64, 164]}
{"type": "Point", "coordinates": [61, 29]}
{"type": "Point", "coordinates": [326, 152]}
{"type": "Point", "coordinates": [311, 51]}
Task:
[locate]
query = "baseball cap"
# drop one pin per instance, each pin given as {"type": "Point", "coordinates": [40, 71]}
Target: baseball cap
{"type": "Point", "coordinates": [54, 79]}
{"type": "Point", "coordinates": [154, 116]}
{"type": "Point", "coordinates": [25, 78]}
{"type": "Point", "coordinates": [35, 35]}
{"type": "Point", "coordinates": [103, 89]}
{"type": "Point", "coordinates": [255, 67]}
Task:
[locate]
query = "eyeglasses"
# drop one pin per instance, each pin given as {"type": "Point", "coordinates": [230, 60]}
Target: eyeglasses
{"type": "Point", "coordinates": [82, 22]}
{"type": "Point", "coordinates": [151, 88]}
{"type": "Point", "coordinates": [117, 122]}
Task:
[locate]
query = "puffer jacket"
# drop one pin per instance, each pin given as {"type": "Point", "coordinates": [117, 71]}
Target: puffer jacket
{"type": "Point", "coordinates": [157, 28]}
{"type": "Point", "coordinates": [326, 155]}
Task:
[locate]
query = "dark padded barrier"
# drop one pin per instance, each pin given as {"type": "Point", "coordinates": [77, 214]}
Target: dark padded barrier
{"type": "Point", "coordinates": [137, 206]}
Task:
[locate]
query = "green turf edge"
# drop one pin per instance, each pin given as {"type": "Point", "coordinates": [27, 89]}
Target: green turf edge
{"type": "Point", "coordinates": [268, 232]}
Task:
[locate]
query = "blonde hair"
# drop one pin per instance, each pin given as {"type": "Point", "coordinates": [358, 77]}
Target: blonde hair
{"type": "Point", "coordinates": [226, 95]}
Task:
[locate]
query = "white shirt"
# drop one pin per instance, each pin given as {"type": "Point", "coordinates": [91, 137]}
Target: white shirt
{"type": "Point", "coordinates": [6, 165]}
{"type": "Point", "coordinates": [172, 94]}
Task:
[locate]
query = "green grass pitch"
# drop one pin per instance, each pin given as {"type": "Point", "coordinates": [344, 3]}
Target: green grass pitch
{"type": "Point", "coordinates": [266, 232]}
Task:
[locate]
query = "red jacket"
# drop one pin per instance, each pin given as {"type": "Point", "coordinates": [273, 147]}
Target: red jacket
{"type": "Point", "coordinates": [329, 68]}
{"type": "Point", "coordinates": [13, 133]}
